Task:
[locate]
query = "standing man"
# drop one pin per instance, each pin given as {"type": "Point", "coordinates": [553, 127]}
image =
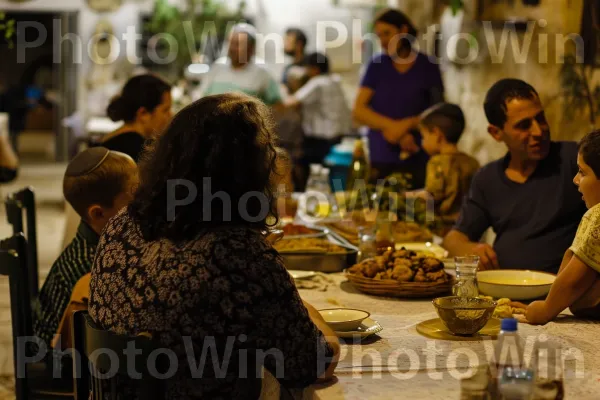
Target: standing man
{"type": "Point", "coordinates": [326, 114]}
{"type": "Point", "coordinates": [239, 72]}
{"type": "Point", "coordinates": [527, 197]}
{"type": "Point", "coordinates": [294, 46]}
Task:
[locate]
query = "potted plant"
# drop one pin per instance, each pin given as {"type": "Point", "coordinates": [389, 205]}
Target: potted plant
{"type": "Point", "coordinates": [580, 95]}
{"type": "Point", "coordinates": [187, 25]}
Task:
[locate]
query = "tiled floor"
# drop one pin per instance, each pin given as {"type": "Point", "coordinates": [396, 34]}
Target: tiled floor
{"type": "Point", "coordinates": [46, 180]}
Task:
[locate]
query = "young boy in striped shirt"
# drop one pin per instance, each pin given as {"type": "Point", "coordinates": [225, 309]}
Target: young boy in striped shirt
{"type": "Point", "coordinates": [97, 183]}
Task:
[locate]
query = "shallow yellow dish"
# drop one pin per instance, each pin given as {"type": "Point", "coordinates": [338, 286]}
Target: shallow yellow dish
{"type": "Point", "coordinates": [515, 284]}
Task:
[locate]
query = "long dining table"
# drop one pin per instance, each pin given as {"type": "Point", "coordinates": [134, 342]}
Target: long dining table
{"type": "Point", "coordinates": [399, 362]}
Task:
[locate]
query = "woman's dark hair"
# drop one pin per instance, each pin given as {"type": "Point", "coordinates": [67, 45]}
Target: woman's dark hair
{"type": "Point", "coordinates": [502, 92]}
{"type": "Point", "coordinates": [397, 18]}
{"type": "Point", "coordinates": [218, 153]}
{"type": "Point", "coordinates": [141, 91]}
{"type": "Point", "coordinates": [589, 148]}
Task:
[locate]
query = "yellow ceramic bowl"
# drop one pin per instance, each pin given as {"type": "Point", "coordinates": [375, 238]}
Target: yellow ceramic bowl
{"type": "Point", "coordinates": [515, 284]}
{"type": "Point", "coordinates": [464, 315]}
{"type": "Point", "coordinates": [344, 319]}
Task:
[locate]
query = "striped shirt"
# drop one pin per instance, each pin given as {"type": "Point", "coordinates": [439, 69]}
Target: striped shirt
{"type": "Point", "coordinates": [74, 262]}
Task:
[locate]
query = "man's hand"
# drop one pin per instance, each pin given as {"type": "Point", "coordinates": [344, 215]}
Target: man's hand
{"type": "Point", "coordinates": [487, 256]}
{"type": "Point", "coordinates": [537, 313]}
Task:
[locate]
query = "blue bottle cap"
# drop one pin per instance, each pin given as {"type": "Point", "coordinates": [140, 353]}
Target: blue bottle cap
{"type": "Point", "coordinates": [509, 325]}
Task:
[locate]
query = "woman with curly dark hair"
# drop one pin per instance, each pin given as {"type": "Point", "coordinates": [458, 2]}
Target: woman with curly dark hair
{"type": "Point", "coordinates": [188, 261]}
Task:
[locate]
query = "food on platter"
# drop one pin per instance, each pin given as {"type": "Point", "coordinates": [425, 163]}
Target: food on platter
{"type": "Point", "coordinates": [402, 266]}
{"type": "Point", "coordinates": [308, 245]}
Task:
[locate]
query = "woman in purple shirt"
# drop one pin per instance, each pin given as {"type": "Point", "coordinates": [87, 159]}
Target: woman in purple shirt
{"type": "Point", "coordinates": [399, 84]}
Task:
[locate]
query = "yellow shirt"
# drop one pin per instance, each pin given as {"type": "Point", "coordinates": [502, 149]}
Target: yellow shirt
{"type": "Point", "coordinates": [586, 245]}
{"type": "Point", "coordinates": [448, 180]}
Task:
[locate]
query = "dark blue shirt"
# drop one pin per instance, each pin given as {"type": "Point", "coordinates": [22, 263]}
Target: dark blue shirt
{"type": "Point", "coordinates": [535, 222]}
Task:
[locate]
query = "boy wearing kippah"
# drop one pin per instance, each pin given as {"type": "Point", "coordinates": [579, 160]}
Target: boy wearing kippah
{"type": "Point", "coordinates": [449, 171]}
{"type": "Point", "coordinates": [97, 183]}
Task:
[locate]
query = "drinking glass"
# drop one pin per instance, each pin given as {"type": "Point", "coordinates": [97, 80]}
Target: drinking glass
{"type": "Point", "coordinates": [466, 276]}
{"type": "Point", "coordinates": [367, 242]}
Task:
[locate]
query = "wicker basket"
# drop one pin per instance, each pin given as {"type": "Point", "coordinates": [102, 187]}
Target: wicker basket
{"type": "Point", "coordinates": [393, 288]}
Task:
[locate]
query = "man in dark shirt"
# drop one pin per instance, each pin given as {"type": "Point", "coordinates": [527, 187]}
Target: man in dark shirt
{"type": "Point", "coordinates": [527, 197]}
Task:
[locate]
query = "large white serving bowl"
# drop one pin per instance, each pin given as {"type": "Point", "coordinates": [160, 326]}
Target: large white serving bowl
{"type": "Point", "coordinates": [515, 284]}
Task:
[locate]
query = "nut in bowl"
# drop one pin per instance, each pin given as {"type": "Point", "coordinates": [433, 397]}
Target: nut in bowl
{"type": "Point", "coordinates": [344, 319]}
{"type": "Point", "coordinates": [464, 316]}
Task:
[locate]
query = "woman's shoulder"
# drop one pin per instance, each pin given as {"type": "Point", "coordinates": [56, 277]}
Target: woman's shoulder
{"type": "Point", "coordinates": [130, 136]}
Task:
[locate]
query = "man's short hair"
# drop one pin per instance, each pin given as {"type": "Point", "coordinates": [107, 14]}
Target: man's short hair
{"type": "Point", "coordinates": [248, 29]}
{"type": "Point", "coordinates": [500, 94]}
{"type": "Point", "coordinates": [449, 118]}
{"type": "Point", "coordinates": [318, 60]}
{"type": "Point", "coordinates": [589, 148]}
{"type": "Point", "coordinates": [299, 35]}
{"type": "Point", "coordinates": [97, 176]}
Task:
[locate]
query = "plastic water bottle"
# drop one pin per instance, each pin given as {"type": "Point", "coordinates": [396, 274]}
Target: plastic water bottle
{"type": "Point", "coordinates": [515, 382]}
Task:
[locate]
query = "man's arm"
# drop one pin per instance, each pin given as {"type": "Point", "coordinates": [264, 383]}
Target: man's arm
{"type": "Point", "coordinates": [459, 244]}
{"type": "Point", "coordinates": [8, 158]}
{"type": "Point", "coordinates": [474, 220]}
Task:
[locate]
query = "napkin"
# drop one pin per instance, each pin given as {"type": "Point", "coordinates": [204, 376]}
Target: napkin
{"type": "Point", "coordinates": [318, 282]}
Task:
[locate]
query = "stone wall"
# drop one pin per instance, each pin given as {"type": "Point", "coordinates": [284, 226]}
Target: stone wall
{"type": "Point", "coordinates": [467, 84]}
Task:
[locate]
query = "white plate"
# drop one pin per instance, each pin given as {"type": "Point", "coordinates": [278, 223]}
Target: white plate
{"type": "Point", "coordinates": [302, 274]}
{"type": "Point", "coordinates": [367, 328]}
{"type": "Point", "coordinates": [438, 250]}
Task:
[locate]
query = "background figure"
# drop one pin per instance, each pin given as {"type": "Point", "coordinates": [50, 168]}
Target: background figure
{"type": "Point", "coordinates": [239, 72]}
{"type": "Point", "coordinates": [144, 106]}
{"type": "Point", "coordinates": [326, 116]}
{"type": "Point", "coordinates": [9, 162]}
{"type": "Point", "coordinates": [398, 85]}
{"type": "Point", "coordinates": [295, 47]}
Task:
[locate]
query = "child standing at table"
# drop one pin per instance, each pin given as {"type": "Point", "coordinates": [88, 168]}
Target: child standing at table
{"type": "Point", "coordinates": [449, 171]}
{"type": "Point", "coordinates": [578, 285]}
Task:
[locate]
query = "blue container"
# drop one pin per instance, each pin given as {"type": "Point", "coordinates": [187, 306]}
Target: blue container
{"type": "Point", "coordinates": [338, 163]}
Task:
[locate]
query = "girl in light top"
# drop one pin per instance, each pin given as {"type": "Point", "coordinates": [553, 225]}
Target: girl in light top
{"type": "Point", "coordinates": [578, 285]}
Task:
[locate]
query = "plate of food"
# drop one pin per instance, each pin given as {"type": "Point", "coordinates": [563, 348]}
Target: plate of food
{"type": "Point", "coordinates": [401, 273]}
{"type": "Point", "coordinates": [322, 253]}
{"type": "Point", "coordinates": [433, 250]}
{"type": "Point", "coordinates": [293, 230]}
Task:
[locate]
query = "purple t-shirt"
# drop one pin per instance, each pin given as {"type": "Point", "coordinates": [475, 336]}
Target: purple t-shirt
{"type": "Point", "coordinates": [399, 95]}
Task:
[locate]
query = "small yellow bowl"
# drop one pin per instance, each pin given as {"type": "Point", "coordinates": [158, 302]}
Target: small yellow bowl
{"type": "Point", "coordinates": [344, 319]}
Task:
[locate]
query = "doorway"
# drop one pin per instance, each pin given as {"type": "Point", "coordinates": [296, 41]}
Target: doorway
{"type": "Point", "coordinates": [38, 85]}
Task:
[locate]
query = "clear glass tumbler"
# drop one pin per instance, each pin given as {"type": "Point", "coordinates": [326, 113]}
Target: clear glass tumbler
{"type": "Point", "coordinates": [466, 276]}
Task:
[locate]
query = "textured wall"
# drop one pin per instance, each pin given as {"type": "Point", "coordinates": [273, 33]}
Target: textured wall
{"type": "Point", "coordinates": [467, 84]}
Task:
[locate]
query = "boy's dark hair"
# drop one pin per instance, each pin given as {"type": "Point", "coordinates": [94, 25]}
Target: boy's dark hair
{"type": "Point", "coordinates": [503, 91]}
{"type": "Point", "coordinates": [449, 118]}
{"type": "Point", "coordinates": [97, 176]}
{"type": "Point", "coordinates": [589, 148]}
{"type": "Point", "coordinates": [318, 60]}
{"type": "Point", "coordinates": [299, 35]}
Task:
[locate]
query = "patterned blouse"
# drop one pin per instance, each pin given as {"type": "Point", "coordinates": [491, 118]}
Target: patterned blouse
{"type": "Point", "coordinates": [586, 244]}
{"type": "Point", "coordinates": [226, 288]}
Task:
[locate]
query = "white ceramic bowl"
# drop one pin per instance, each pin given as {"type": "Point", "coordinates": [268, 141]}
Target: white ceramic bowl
{"type": "Point", "coordinates": [344, 319]}
{"type": "Point", "coordinates": [515, 284]}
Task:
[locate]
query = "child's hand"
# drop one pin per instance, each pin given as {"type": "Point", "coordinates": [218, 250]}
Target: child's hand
{"type": "Point", "coordinates": [537, 313]}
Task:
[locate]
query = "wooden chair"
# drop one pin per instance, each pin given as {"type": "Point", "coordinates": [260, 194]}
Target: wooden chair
{"type": "Point", "coordinates": [33, 380]}
{"type": "Point", "coordinates": [16, 203]}
{"type": "Point", "coordinates": [89, 365]}
{"type": "Point", "coordinates": [88, 338]}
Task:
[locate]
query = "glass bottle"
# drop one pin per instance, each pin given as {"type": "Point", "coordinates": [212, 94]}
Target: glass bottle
{"type": "Point", "coordinates": [359, 168]}
{"type": "Point", "coordinates": [466, 276]}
